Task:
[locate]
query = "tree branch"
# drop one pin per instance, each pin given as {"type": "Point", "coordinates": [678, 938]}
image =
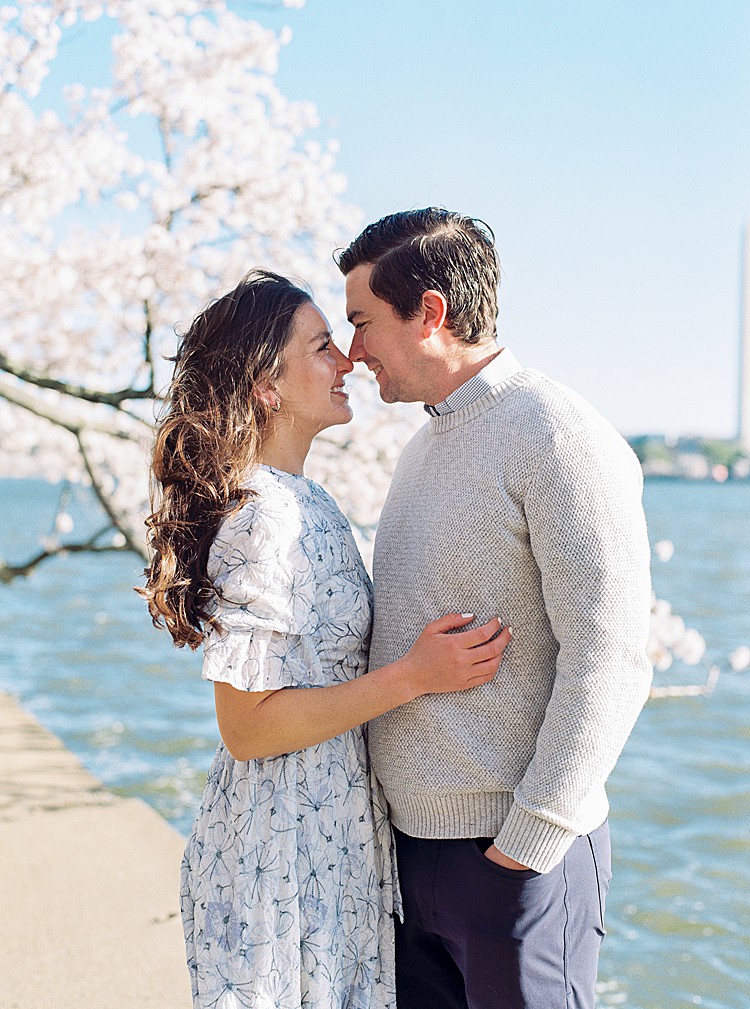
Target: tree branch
{"type": "Point", "coordinates": [10, 571]}
{"type": "Point", "coordinates": [65, 417]}
{"type": "Point", "coordinates": [11, 86]}
{"type": "Point", "coordinates": [689, 689]}
{"type": "Point", "coordinates": [165, 145]}
{"type": "Point", "coordinates": [147, 348]}
{"type": "Point", "coordinates": [113, 399]}
{"type": "Point", "coordinates": [198, 197]}
{"type": "Point", "coordinates": [131, 542]}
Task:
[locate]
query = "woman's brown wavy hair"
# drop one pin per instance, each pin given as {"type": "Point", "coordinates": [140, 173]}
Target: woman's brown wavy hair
{"type": "Point", "coordinates": [208, 439]}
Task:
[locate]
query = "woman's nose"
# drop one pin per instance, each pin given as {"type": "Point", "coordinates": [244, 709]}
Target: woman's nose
{"type": "Point", "coordinates": [343, 364]}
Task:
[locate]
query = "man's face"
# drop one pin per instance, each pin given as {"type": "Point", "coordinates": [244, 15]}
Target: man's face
{"type": "Point", "coordinates": [389, 345]}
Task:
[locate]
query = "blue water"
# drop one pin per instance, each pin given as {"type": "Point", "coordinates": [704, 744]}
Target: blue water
{"type": "Point", "coordinates": [80, 652]}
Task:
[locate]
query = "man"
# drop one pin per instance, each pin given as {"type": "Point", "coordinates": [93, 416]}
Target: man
{"type": "Point", "coordinates": [517, 500]}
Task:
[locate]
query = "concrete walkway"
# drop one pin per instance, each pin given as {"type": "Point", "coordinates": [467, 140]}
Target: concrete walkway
{"type": "Point", "coordinates": [89, 915]}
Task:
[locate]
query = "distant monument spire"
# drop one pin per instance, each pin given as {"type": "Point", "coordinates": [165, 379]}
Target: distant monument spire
{"type": "Point", "coordinates": [743, 404]}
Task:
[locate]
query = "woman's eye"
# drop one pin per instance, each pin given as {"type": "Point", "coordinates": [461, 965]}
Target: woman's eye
{"type": "Point", "coordinates": [325, 346]}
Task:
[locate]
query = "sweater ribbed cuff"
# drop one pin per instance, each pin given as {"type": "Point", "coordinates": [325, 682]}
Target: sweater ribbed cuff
{"type": "Point", "coordinates": [533, 841]}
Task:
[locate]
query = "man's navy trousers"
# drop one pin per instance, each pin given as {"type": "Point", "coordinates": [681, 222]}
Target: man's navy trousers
{"type": "Point", "coordinates": [479, 936]}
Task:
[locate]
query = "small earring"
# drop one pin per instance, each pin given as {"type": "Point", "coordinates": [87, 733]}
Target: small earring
{"type": "Point", "coordinates": [276, 406]}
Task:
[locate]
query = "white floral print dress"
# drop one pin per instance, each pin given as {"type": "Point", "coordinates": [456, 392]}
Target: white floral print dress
{"type": "Point", "coordinates": [288, 883]}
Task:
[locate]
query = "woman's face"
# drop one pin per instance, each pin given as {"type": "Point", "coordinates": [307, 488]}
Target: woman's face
{"type": "Point", "coordinates": [311, 385]}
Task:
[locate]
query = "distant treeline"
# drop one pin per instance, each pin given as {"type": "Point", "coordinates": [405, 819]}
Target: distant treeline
{"type": "Point", "coordinates": [691, 458]}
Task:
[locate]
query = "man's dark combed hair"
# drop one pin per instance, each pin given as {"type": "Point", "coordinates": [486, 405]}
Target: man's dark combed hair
{"type": "Point", "coordinates": [432, 249]}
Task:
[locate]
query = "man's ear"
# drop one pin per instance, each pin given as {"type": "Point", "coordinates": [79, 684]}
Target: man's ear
{"type": "Point", "coordinates": [434, 312]}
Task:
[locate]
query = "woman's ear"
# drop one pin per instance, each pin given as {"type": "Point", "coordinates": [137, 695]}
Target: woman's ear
{"type": "Point", "coordinates": [266, 393]}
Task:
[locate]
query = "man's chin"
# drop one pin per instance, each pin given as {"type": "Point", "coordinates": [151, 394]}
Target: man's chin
{"type": "Point", "coordinates": [396, 396]}
{"type": "Point", "coordinates": [388, 394]}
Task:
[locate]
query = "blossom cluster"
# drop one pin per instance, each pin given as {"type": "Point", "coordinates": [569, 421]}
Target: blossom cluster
{"type": "Point", "coordinates": [670, 639]}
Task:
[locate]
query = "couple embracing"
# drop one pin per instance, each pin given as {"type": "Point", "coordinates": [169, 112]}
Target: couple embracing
{"type": "Point", "coordinates": [424, 826]}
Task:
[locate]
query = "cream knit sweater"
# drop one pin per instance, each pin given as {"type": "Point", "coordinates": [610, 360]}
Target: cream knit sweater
{"type": "Point", "coordinates": [525, 505]}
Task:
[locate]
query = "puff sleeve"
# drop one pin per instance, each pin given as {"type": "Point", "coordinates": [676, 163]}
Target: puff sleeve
{"type": "Point", "coordinates": [265, 600]}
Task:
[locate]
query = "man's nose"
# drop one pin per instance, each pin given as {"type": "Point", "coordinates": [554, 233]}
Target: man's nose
{"type": "Point", "coordinates": [357, 349]}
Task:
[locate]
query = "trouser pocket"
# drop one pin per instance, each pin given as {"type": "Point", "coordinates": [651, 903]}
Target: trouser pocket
{"type": "Point", "coordinates": [599, 846]}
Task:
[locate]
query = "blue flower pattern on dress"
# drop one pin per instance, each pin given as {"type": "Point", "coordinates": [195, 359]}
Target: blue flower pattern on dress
{"type": "Point", "coordinates": [288, 884]}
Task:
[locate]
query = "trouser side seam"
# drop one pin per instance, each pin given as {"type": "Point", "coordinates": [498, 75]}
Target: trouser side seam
{"type": "Point", "coordinates": [566, 965]}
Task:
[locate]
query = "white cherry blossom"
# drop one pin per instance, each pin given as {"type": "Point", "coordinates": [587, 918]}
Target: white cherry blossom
{"type": "Point", "coordinates": [740, 658]}
{"type": "Point", "coordinates": [664, 550]}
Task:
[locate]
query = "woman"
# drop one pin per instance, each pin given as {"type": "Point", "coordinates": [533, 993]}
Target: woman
{"type": "Point", "coordinates": [288, 884]}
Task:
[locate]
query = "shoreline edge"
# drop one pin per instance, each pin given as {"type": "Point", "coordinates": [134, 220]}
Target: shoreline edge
{"type": "Point", "coordinates": [89, 884]}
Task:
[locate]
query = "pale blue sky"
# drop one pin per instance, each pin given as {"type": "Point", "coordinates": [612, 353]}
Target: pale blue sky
{"type": "Point", "coordinates": [606, 143]}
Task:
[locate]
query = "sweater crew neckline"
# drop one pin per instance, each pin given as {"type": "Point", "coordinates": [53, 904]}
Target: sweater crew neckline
{"type": "Point", "coordinates": [514, 376]}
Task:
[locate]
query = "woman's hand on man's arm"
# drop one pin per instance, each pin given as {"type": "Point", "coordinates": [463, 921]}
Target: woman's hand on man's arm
{"type": "Point", "coordinates": [443, 659]}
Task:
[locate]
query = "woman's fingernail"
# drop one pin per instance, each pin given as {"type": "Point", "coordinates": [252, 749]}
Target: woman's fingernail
{"type": "Point", "coordinates": [467, 615]}
{"type": "Point", "coordinates": [510, 631]}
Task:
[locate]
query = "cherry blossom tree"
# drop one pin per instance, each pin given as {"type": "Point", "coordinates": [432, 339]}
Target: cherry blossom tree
{"type": "Point", "coordinates": [124, 209]}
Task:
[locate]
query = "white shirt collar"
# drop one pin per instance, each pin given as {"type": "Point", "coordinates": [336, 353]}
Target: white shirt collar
{"type": "Point", "coordinates": [496, 371]}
